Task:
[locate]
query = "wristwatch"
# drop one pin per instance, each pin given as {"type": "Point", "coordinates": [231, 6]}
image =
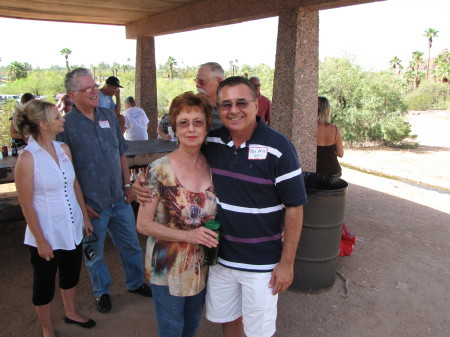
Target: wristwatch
{"type": "Point", "coordinates": [127, 185]}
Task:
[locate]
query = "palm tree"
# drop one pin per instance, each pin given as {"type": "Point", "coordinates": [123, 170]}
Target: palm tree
{"type": "Point", "coordinates": [16, 70]}
{"type": "Point", "coordinates": [396, 65]}
{"type": "Point", "coordinates": [101, 66]}
{"type": "Point", "coordinates": [233, 66]}
{"type": "Point", "coordinates": [430, 33]}
{"type": "Point", "coordinates": [417, 60]}
{"type": "Point", "coordinates": [66, 52]}
{"type": "Point", "coordinates": [115, 68]}
{"type": "Point", "coordinates": [171, 62]}
{"type": "Point", "coordinates": [442, 70]}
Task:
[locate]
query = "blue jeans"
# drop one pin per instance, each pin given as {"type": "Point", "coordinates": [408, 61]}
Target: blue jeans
{"type": "Point", "coordinates": [118, 221]}
{"type": "Point", "coordinates": [177, 316]}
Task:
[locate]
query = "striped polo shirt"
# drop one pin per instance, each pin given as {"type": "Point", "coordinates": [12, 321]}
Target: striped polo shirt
{"type": "Point", "coordinates": [254, 183]}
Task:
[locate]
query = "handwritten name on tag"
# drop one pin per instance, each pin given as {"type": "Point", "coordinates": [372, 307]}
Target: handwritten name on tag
{"type": "Point", "coordinates": [104, 124]}
{"type": "Point", "coordinates": [257, 152]}
{"type": "Point", "coordinates": [64, 158]}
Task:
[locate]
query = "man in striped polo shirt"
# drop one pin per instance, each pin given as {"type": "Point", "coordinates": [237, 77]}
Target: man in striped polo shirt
{"type": "Point", "coordinates": [260, 190]}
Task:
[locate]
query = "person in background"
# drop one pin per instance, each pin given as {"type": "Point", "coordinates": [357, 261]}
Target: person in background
{"type": "Point", "coordinates": [136, 121]}
{"type": "Point", "coordinates": [163, 128]}
{"type": "Point", "coordinates": [264, 104]}
{"type": "Point", "coordinates": [14, 134]}
{"type": "Point", "coordinates": [183, 201]}
{"type": "Point", "coordinates": [48, 192]}
{"type": "Point", "coordinates": [209, 76]}
{"type": "Point", "coordinates": [98, 149]}
{"type": "Point", "coordinates": [64, 104]}
{"type": "Point", "coordinates": [329, 142]}
{"type": "Point", "coordinates": [105, 94]}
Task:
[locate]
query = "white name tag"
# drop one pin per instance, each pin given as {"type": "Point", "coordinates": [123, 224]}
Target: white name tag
{"type": "Point", "coordinates": [257, 152]}
{"type": "Point", "coordinates": [104, 124]}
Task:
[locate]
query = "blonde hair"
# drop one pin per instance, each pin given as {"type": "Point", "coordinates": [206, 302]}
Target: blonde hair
{"type": "Point", "coordinates": [26, 117]}
{"type": "Point", "coordinates": [324, 111]}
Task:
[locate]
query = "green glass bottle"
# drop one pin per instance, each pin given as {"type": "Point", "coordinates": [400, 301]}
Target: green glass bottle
{"type": "Point", "coordinates": [211, 254]}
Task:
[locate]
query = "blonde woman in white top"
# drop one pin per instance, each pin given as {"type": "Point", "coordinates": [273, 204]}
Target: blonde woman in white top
{"type": "Point", "coordinates": [54, 209]}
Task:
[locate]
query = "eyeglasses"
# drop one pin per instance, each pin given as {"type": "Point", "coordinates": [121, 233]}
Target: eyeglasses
{"type": "Point", "coordinates": [203, 82]}
{"type": "Point", "coordinates": [257, 85]}
{"type": "Point", "coordinates": [184, 124]}
{"type": "Point", "coordinates": [241, 105]}
{"type": "Point", "coordinates": [90, 89]}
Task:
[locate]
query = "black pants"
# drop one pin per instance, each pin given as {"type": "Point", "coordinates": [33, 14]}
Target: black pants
{"type": "Point", "coordinates": [69, 264]}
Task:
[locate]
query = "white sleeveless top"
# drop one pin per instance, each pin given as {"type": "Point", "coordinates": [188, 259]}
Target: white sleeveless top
{"type": "Point", "coordinates": [54, 199]}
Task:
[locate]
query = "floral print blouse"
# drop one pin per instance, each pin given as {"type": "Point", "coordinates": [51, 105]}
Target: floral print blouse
{"type": "Point", "coordinates": [178, 265]}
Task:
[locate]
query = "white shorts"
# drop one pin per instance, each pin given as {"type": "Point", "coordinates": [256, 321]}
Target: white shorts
{"type": "Point", "coordinates": [234, 293]}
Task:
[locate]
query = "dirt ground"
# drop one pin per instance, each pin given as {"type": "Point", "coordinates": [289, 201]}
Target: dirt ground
{"type": "Point", "coordinates": [398, 273]}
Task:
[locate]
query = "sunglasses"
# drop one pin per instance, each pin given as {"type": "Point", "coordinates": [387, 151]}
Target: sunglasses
{"type": "Point", "coordinates": [241, 105]}
{"type": "Point", "coordinates": [184, 124]}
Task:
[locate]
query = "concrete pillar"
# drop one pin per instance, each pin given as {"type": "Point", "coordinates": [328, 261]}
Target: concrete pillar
{"type": "Point", "coordinates": [146, 94]}
{"type": "Point", "coordinates": [296, 82]}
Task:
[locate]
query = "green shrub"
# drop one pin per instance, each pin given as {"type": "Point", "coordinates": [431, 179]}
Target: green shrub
{"type": "Point", "coordinates": [430, 95]}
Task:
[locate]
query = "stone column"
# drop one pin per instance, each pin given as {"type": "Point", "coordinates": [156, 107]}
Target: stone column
{"type": "Point", "coordinates": [146, 94]}
{"type": "Point", "coordinates": [296, 78]}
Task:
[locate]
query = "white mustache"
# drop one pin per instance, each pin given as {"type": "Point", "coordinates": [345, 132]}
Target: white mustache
{"type": "Point", "coordinates": [201, 91]}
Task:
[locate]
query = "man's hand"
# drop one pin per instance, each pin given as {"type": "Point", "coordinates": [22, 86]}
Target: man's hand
{"type": "Point", "coordinates": [92, 214]}
{"type": "Point", "coordinates": [117, 93]}
{"type": "Point", "coordinates": [143, 194]}
{"type": "Point", "coordinates": [282, 277]}
{"type": "Point", "coordinates": [130, 195]}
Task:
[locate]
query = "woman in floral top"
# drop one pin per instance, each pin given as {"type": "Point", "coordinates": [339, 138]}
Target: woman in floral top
{"type": "Point", "coordinates": [183, 200]}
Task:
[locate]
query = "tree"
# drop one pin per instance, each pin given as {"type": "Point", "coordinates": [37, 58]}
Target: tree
{"type": "Point", "coordinates": [442, 69]}
{"type": "Point", "coordinates": [430, 33]}
{"type": "Point", "coordinates": [170, 63]}
{"type": "Point", "coordinates": [66, 52]}
{"type": "Point", "coordinates": [93, 69]}
{"type": "Point", "coordinates": [417, 60]}
{"type": "Point", "coordinates": [115, 68]}
{"type": "Point", "coordinates": [233, 66]}
{"type": "Point", "coordinates": [396, 65]}
{"type": "Point", "coordinates": [16, 70]}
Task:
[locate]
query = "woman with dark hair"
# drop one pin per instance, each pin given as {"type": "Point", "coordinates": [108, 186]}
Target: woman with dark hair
{"type": "Point", "coordinates": [329, 142]}
{"type": "Point", "coordinates": [183, 201]}
{"type": "Point", "coordinates": [53, 206]}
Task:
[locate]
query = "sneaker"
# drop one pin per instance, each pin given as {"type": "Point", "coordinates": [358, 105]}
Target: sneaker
{"type": "Point", "coordinates": [103, 303]}
{"type": "Point", "coordinates": [143, 290]}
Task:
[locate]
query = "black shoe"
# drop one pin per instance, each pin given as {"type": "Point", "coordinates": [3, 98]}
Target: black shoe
{"type": "Point", "coordinates": [89, 324]}
{"type": "Point", "coordinates": [143, 290]}
{"type": "Point", "coordinates": [103, 303]}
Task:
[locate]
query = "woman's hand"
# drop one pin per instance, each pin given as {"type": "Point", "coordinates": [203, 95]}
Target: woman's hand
{"type": "Point", "coordinates": [45, 250]}
{"type": "Point", "coordinates": [143, 194]}
{"type": "Point", "coordinates": [202, 236]}
{"type": "Point", "coordinates": [88, 229]}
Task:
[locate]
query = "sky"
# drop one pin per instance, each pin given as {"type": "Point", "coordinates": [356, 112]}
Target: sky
{"type": "Point", "coordinates": [371, 34]}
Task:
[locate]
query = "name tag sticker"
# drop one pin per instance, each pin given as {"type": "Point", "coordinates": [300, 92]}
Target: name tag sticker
{"type": "Point", "coordinates": [104, 124]}
{"type": "Point", "coordinates": [65, 158]}
{"type": "Point", "coordinates": [257, 152]}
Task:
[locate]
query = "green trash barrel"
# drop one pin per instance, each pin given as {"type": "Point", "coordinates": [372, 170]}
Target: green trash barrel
{"type": "Point", "coordinates": [318, 250]}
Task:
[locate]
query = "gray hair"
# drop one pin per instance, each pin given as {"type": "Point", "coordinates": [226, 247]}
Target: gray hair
{"type": "Point", "coordinates": [71, 79]}
{"type": "Point", "coordinates": [215, 68]}
{"type": "Point", "coordinates": [233, 81]}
